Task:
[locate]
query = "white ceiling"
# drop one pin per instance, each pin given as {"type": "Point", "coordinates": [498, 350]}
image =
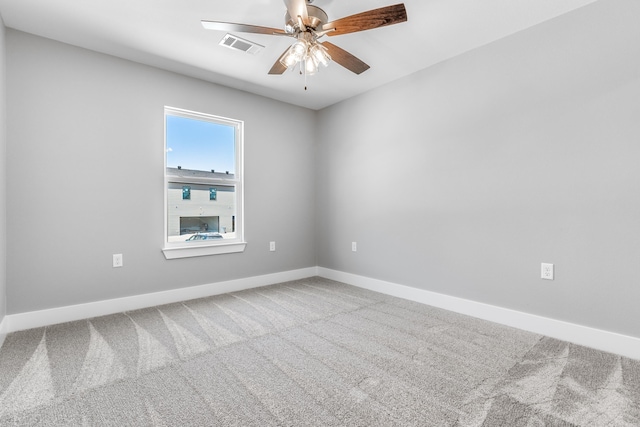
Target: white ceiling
{"type": "Point", "coordinates": [168, 34]}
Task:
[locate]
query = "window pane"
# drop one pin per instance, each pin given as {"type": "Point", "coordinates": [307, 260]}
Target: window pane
{"type": "Point", "coordinates": [200, 145]}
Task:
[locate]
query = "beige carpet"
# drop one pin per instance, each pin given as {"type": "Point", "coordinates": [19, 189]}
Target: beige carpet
{"type": "Point", "coordinates": [307, 353]}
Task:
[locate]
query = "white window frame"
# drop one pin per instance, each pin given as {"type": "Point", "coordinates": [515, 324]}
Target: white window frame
{"type": "Point", "coordinates": [173, 250]}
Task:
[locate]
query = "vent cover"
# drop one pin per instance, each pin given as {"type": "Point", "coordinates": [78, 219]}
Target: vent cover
{"type": "Point", "coordinates": [235, 42]}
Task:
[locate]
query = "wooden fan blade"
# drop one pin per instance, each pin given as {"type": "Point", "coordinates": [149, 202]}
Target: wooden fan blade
{"type": "Point", "coordinates": [297, 8]}
{"type": "Point", "coordinates": [278, 68]}
{"type": "Point", "coordinates": [368, 20]}
{"type": "Point", "coordinates": [242, 28]}
{"type": "Point", "coordinates": [345, 59]}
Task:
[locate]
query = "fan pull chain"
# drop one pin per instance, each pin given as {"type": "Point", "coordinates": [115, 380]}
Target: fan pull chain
{"type": "Point", "coordinates": [303, 73]}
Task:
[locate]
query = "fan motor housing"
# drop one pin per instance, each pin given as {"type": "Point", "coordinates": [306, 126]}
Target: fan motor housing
{"type": "Point", "coordinates": [316, 17]}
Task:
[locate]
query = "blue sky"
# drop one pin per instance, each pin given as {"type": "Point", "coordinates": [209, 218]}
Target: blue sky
{"type": "Point", "coordinates": [200, 145]}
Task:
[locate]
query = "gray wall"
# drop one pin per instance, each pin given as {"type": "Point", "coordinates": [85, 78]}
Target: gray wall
{"type": "Point", "coordinates": [3, 177]}
{"type": "Point", "coordinates": [85, 143]}
{"type": "Point", "coordinates": [461, 179]}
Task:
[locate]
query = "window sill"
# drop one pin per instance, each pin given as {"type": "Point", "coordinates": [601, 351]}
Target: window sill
{"type": "Point", "coordinates": [195, 251]}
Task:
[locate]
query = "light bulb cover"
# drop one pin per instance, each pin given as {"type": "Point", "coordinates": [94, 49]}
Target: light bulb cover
{"type": "Point", "coordinates": [288, 60]}
{"type": "Point", "coordinates": [310, 66]}
{"type": "Point", "coordinates": [296, 53]}
{"type": "Point", "coordinates": [299, 50]}
{"type": "Point", "coordinates": [320, 55]}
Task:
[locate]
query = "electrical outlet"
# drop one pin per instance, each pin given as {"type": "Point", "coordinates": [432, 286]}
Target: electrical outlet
{"type": "Point", "coordinates": [117, 260]}
{"type": "Point", "coordinates": [272, 246]}
{"type": "Point", "coordinates": [546, 271]}
{"type": "Point", "coordinates": [354, 247]}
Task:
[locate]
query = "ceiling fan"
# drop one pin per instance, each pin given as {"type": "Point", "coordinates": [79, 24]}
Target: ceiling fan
{"type": "Point", "coordinates": [307, 23]}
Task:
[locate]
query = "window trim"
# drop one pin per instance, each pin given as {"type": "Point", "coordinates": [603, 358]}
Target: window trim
{"type": "Point", "coordinates": [203, 250]}
{"type": "Point", "coordinates": [195, 249]}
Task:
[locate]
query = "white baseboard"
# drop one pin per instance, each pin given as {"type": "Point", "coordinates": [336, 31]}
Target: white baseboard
{"type": "Point", "coordinates": [595, 338]}
{"type": "Point", "coordinates": [583, 335]}
{"type": "Point", "coordinates": [36, 319]}
{"type": "Point", "coordinates": [3, 330]}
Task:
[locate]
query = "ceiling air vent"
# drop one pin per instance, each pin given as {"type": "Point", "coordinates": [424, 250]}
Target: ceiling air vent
{"type": "Point", "coordinates": [235, 42]}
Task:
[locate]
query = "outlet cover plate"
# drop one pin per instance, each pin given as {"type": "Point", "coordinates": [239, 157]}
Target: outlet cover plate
{"type": "Point", "coordinates": [117, 260]}
{"type": "Point", "coordinates": [546, 271]}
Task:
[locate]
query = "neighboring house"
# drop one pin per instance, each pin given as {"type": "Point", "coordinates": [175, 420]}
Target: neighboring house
{"type": "Point", "coordinates": [198, 203]}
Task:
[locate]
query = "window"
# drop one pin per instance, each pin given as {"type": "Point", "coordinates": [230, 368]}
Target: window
{"type": "Point", "coordinates": [203, 184]}
{"type": "Point", "coordinates": [186, 192]}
